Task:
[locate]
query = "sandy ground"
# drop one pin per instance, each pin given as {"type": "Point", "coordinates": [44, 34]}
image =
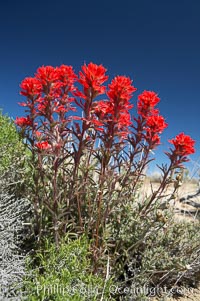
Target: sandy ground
{"type": "Point", "coordinates": [181, 209]}
{"type": "Point", "coordinates": [185, 189]}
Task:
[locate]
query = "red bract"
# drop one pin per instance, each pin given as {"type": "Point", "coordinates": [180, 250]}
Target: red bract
{"type": "Point", "coordinates": [30, 87]}
{"type": "Point", "coordinates": [116, 109]}
{"type": "Point", "coordinates": [43, 145]}
{"type": "Point", "coordinates": [184, 145]}
{"type": "Point", "coordinates": [102, 108]}
{"type": "Point", "coordinates": [47, 75]}
{"type": "Point", "coordinates": [67, 77]}
{"type": "Point", "coordinates": [56, 85]}
{"type": "Point", "coordinates": [23, 104]}
{"type": "Point", "coordinates": [63, 109]}
{"type": "Point", "coordinates": [156, 124]}
{"type": "Point", "coordinates": [121, 90]}
{"type": "Point", "coordinates": [147, 101]}
{"type": "Point", "coordinates": [42, 106]}
{"type": "Point", "coordinates": [119, 93]}
{"type": "Point", "coordinates": [23, 121]}
{"type": "Point", "coordinates": [124, 120]}
{"type": "Point", "coordinates": [152, 139]}
{"type": "Point", "coordinates": [92, 78]}
{"type": "Point", "coordinates": [38, 134]}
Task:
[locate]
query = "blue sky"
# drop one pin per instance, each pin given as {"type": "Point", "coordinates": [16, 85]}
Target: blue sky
{"type": "Point", "coordinates": [156, 43]}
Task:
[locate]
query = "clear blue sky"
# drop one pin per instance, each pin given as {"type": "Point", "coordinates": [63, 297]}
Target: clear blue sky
{"type": "Point", "coordinates": [155, 42]}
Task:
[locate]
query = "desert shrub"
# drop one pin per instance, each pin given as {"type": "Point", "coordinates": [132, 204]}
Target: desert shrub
{"type": "Point", "coordinates": [14, 240]}
{"type": "Point", "coordinates": [13, 157]}
{"type": "Point", "coordinates": [64, 274]}
{"type": "Point", "coordinates": [9, 142]}
{"type": "Point", "coordinates": [152, 253]}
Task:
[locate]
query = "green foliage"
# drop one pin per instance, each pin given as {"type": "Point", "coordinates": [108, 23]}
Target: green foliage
{"type": "Point", "coordinates": [10, 143]}
{"type": "Point", "coordinates": [64, 273]}
{"type": "Point", "coordinates": [14, 167]}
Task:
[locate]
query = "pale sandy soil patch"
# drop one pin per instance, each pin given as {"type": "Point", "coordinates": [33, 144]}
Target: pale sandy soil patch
{"type": "Point", "coordinates": [181, 209]}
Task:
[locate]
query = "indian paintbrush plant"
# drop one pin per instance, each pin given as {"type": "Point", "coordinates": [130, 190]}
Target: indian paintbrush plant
{"type": "Point", "coordinates": [89, 154]}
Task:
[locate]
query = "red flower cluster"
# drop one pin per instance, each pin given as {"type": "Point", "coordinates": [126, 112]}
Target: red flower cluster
{"type": "Point", "coordinates": [92, 78]}
{"type": "Point", "coordinates": [47, 75]}
{"type": "Point", "coordinates": [55, 78]}
{"type": "Point", "coordinates": [31, 87]}
{"type": "Point", "coordinates": [48, 91]}
{"type": "Point", "coordinates": [117, 108]}
{"type": "Point", "coordinates": [121, 91]}
{"type": "Point", "coordinates": [67, 77]}
{"type": "Point", "coordinates": [155, 125]}
{"type": "Point", "coordinates": [23, 121]}
{"type": "Point", "coordinates": [43, 145]}
{"type": "Point", "coordinates": [48, 78]}
{"type": "Point", "coordinates": [149, 119]}
{"type": "Point", "coordinates": [184, 145]}
{"type": "Point", "coordinates": [147, 101]}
